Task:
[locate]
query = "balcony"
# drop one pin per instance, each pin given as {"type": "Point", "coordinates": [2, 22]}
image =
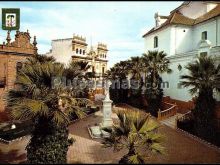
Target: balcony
{"type": "Point", "coordinates": [2, 82]}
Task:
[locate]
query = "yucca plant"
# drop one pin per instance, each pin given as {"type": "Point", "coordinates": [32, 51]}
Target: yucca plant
{"type": "Point", "coordinates": [138, 133]}
{"type": "Point", "coordinates": [48, 106]}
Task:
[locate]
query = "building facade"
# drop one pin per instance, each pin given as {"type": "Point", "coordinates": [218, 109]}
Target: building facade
{"type": "Point", "coordinates": [191, 29]}
{"type": "Point", "coordinates": [76, 49]}
{"type": "Point", "coordinates": [12, 54]}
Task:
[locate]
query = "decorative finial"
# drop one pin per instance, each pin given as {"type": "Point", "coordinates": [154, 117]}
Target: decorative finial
{"type": "Point", "coordinates": [8, 38]}
{"type": "Point", "coordinates": [35, 45]}
{"type": "Point", "coordinates": [35, 41]}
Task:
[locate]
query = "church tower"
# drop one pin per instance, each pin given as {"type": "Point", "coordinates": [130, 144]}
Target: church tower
{"type": "Point", "coordinates": [102, 50]}
{"type": "Point", "coordinates": [79, 45]}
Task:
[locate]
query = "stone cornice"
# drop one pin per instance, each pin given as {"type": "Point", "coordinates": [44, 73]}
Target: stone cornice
{"type": "Point", "coordinates": [88, 58]}
{"type": "Point", "coordinates": [15, 53]}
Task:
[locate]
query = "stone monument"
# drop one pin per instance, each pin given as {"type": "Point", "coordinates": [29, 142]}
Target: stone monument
{"type": "Point", "coordinates": [96, 131]}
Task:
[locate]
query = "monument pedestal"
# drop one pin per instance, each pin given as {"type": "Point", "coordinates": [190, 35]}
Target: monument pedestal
{"type": "Point", "coordinates": [107, 113]}
{"type": "Point", "coordinates": [96, 131]}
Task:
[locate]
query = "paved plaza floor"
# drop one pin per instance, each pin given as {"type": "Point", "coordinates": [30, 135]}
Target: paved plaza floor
{"type": "Point", "coordinates": [180, 148]}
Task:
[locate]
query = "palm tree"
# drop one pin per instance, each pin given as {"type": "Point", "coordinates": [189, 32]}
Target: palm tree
{"type": "Point", "coordinates": [137, 132]}
{"type": "Point", "coordinates": [157, 64]}
{"type": "Point", "coordinates": [48, 106]}
{"type": "Point", "coordinates": [76, 69]}
{"type": "Point", "coordinates": [145, 67]}
{"type": "Point", "coordinates": [118, 75]}
{"type": "Point", "coordinates": [203, 78]}
{"type": "Point", "coordinates": [136, 67]}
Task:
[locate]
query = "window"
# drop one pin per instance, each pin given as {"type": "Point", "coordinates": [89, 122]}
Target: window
{"type": "Point", "coordinates": [80, 51]}
{"type": "Point", "coordinates": [83, 52]}
{"type": "Point", "coordinates": [93, 69]}
{"type": "Point", "coordinates": [155, 42]}
{"type": "Point", "coordinates": [77, 51]}
{"type": "Point", "coordinates": [103, 70]}
{"type": "Point", "coordinates": [204, 35]}
{"type": "Point", "coordinates": [179, 86]}
{"type": "Point", "coordinates": [203, 53]}
{"type": "Point", "coordinates": [18, 66]}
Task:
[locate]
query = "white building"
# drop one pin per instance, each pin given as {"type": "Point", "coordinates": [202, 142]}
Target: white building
{"type": "Point", "coordinates": [191, 29]}
{"type": "Point", "coordinates": [76, 49]}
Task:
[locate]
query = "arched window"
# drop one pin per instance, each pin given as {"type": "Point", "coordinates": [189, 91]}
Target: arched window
{"type": "Point", "coordinates": [155, 42]}
{"type": "Point", "coordinates": [80, 51]}
{"type": "Point", "coordinates": [83, 52]}
{"type": "Point", "coordinates": [77, 51]}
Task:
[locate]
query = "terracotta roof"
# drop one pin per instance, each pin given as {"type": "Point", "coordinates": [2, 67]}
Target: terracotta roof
{"type": "Point", "coordinates": [183, 4]}
{"type": "Point", "coordinates": [178, 18]}
{"type": "Point", "coordinates": [211, 14]}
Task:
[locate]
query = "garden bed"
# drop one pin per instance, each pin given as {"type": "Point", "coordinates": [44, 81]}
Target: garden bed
{"type": "Point", "coordinates": [9, 134]}
{"type": "Point", "coordinates": [12, 131]}
{"type": "Point", "coordinates": [186, 124]}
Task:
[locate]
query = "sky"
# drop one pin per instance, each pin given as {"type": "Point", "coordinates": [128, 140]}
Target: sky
{"type": "Point", "coordinates": [120, 25]}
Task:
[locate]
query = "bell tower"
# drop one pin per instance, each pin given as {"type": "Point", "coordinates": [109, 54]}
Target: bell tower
{"type": "Point", "coordinates": [79, 45]}
{"type": "Point", "coordinates": [102, 50]}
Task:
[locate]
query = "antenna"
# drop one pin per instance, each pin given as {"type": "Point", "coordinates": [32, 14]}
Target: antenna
{"type": "Point", "coordinates": [91, 40]}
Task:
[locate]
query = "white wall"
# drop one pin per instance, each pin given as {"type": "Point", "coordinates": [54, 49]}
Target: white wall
{"type": "Point", "coordinates": [210, 27]}
{"type": "Point", "coordinates": [163, 41]}
{"type": "Point", "coordinates": [218, 30]}
{"type": "Point", "coordinates": [196, 9]}
{"type": "Point", "coordinates": [183, 39]}
{"type": "Point", "coordinates": [62, 50]}
{"type": "Point", "coordinates": [174, 78]}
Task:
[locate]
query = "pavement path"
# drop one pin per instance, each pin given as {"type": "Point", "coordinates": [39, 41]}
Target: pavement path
{"type": "Point", "coordinates": [180, 148]}
{"type": "Point", "coordinates": [171, 121]}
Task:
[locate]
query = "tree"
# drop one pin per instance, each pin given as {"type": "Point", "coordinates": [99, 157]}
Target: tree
{"type": "Point", "coordinates": [76, 70]}
{"type": "Point", "coordinates": [48, 106]}
{"type": "Point", "coordinates": [136, 67]}
{"type": "Point", "coordinates": [119, 88]}
{"type": "Point", "coordinates": [203, 78]}
{"type": "Point", "coordinates": [137, 132]}
{"type": "Point", "coordinates": [157, 64]}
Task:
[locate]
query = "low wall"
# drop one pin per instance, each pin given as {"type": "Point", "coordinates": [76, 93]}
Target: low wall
{"type": "Point", "coordinates": [169, 110]}
{"type": "Point", "coordinates": [183, 106]}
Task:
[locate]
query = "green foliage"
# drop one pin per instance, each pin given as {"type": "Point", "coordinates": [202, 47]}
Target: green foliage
{"type": "Point", "coordinates": [136, 130]}
{"type": "Point", "coordinates": [151, 64]}
{"type": "Point", "coordinates": [157, 64]}
{"type": "Point", "coordinates": [118, 74]}
{"type": "Point", "coordinates": [203, 78]}
{"type": "Point", "coordinates": [48, 106]}
{"type": "Point", "coordinates": [49, 144]}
